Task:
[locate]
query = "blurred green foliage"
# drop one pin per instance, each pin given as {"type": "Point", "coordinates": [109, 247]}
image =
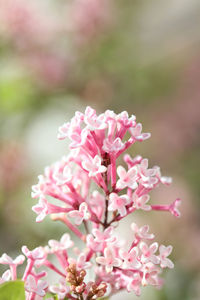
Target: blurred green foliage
{"type": "Point", "coordinates": [13, 290]}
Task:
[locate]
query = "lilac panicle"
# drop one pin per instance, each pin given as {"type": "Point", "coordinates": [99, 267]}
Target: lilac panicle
{"type": "Point", "coordinates": [96, 142]}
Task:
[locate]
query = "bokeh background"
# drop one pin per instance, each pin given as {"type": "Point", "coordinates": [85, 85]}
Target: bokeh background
{"type": "Point", "coordinates": [57, 57]}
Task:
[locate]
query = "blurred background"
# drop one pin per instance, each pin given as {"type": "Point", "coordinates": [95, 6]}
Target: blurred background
{"type": "Point", "coordinates": [57, 57]}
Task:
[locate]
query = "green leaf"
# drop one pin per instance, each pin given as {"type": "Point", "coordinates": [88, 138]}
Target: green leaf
{"type": "Point", "coordinates": [49, 295]}
{"type": "Point", "coordinates": [12, 290]}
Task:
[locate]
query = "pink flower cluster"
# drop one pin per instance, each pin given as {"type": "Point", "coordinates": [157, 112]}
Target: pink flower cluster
{"type": "Point", "coordinates": [87, 18]}
{"type": "Point", "coordinates": [88, 188]}
{"type": "Point", "coordinates": [34, 30]}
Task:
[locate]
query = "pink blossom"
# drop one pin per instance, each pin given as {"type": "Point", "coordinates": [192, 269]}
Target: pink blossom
{"type": "Point", "coordinates": [132, 161]}
{"type": "Point", "coordinates": [73, 131]}
{"type": "Point", "coordinates": [96, 143]}
{"type": "Point", "coordinates": [105, 236]}
{"type": "Point", "coordinates": [148, 253]}
{"type": "Point", "coordinates": [140, 202]}
{"type": "Point", "coordinates": [38, 189]}
{"type": "Point", "coordinates": [35, 254]}
{"type": "Point", "coordinates": [93, 244]}
{"type": "Point", "coordinates": [94, 166]}
{"type": "Point", "coordinates": [127, 179]}
{"type": "Point", "coordinates": [148, 178]}
{"type": "Point", "coordinates": [32, 286]}
{"type": "Point", "coordinates": [62, 176]}
{"type": "Point", "coordinates": [164, 261]}
{"type": "Point", "coordinates": [113, 146]}
{"type": "Point", "coordinates": [61, 289]}
{"type": "Point", "coordinates": [63, 131]}
{"type": "Point", "coordinates": [163, 179]}
{"type": "Point", "coordinates": [136, 132]}
{"type": "Point", "coordinates": [110, 115]}
{"type": "Point", "coordinates": [166, 180]}
{"type": "Point", "coordinates": [150, 275]}
{"type": "Point", "coordinates": [142, 232]}
{"type": "Point", "coordinates": [64, 243]}
{"type": "Point", "coordinates": [118, 203]}
{"type": "Point", "coordinates": [109, 260]}
{"type": "Point", "coordinates": [7, 260]}
{"type": "Point", "coordinates": [92, 121]}
{"type": "Point", "coordinates": [88, 17]}
{"type": "Point", "coordinates": [81, 262]}
{"type": "Point", "coordinates": [124, 119]}
{"type": "Point", "coordinates": [144, 171]}
{"type": "Point", "coordinates": [130, 260]}
{"type": "Point", "coordinates": [43, 208]}
{"type": "Point", "coordinates": [97, 202]}
{"type": "Point", "coordinates": [78, 137]}
{"type": "Point", "coordinates": [13, 263]}
{"type": "Point", "coordinates": [81, 214]}
{"type": "Point", "coordinates": [173, 208]}
{"type": "Point", "coordinates": [134, 284]}
{"type": "Point", "coordinates": [6, 276]}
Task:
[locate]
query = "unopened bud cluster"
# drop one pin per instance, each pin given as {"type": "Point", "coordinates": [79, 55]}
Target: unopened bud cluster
{"type": "Point", "coordinates": [76, 278]}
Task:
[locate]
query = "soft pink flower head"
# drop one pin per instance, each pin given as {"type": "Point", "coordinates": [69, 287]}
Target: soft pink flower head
{"type": "Point", "coordinates": [62, 176]}
{"type": "Point", "coordinates": [136, 132]}
{"type": "Point", "coordinates": [38, 189]}
{"type": "Point", "coordinates": [81, 214]}
{"type": "Point", "coordinates": [173, 208]}
{"type": "Point", "coordinates": [93, 121]}
{"type": "Point", "coordinates": [113, 146]}
{"type": "Point", "coordinates": [94, 166]}
{"type": "Point", "coordinates": [97, 202]}
{"type": "Point", "coordinates": [140, 202]}
{"type": "Point", "coordinates": [134, 284]}
{"type": "Point", "coordinates": [150, 275]}
{"type": "Point", "coordinates": [64, 243]}
{"type": "Point", "coordinates": [81, 262]}
{"type": "Point", "coordinates": [93, 244]}
{"type": "Point", "coordinates": [127, 178]}
{"type": "Point", "coordinates": [164, 253]}
{"type": "Point", "coordinates": [148, 176]}
{"type": "Point", "coordinates": [148, 253]}
{"type": "Point", "coordinates": [88, 18]}
{"type": "Point", "coordinates": [63, 131]}
{"type": "Point", "coordinates": [109, 260]}
{"type": "Point", "coordinates": [7, 260]}
{"type": "Point", "coordinates": [130, 259]}
{"type": "Point", "coordinates": [97, 141]}
{"type": "Point", "coordinates": [105, 236]}
{"type": "Point", "coordinates": [32, 286]}
{"type": "Point", "coordinates": [131, 162]}
{"type": "Point", "coordinates": [41, 209]}
{"type": "Point", "coordinates": [61, 289]}
{"type": "Point", "coordinates": [142, 232]}
{"type": "Point", "coordinates": [35, 254]}
{"type": "Point", "coordinates": [118, 203]}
